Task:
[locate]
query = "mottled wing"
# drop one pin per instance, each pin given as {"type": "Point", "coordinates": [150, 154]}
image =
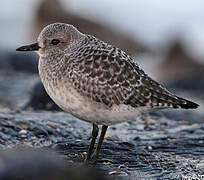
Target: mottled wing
{"type": "Point", "coordinates": [108, 75]}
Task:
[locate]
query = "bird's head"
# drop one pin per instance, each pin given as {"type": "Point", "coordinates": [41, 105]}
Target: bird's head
{"type": "Point", "coordinates": [54, 39]}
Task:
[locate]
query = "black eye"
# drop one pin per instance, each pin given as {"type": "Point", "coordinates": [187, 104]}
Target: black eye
{"type": "Point", "coordinates": [55, 41]}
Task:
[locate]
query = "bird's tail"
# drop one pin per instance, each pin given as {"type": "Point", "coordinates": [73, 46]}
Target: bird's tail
{"type": "Point", "coordinates": [187, 104]}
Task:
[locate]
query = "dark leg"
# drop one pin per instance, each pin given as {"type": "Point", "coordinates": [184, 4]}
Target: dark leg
{"type": "Point", "coordinates": [93, 140]}
{"type": "Point", "coordinates": [98, 148]}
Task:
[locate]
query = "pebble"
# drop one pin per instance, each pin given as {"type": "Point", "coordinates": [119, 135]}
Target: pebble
{"type": "Point", "coordinates": [149, 147]}
{"type": "Point", "coordinates": [118, 173]}
{"type": "Point", "coordinates": [23, 131]}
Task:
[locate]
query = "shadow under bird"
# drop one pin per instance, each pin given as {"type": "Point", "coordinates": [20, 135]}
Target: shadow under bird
{"type": "Point", "coordinates": [95, 81]}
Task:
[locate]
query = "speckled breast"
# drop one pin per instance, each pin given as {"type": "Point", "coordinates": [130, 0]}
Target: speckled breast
{"type": "Point", "coordinates": [66, 97]}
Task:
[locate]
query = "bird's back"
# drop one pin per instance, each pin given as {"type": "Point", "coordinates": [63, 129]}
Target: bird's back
{"type": "Point", "coordinates": [108, 75]}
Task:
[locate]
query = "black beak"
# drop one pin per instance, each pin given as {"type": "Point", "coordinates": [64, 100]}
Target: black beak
{"type": "Point", "coordinates": [31, 47]}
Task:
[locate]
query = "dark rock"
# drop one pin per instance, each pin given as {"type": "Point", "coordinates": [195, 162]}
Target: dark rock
{"type": "Point", "coordinates": [192, 84]}
{"type": "Point", "coordinates": [15, 88]}
{"type": "Point", "coordinates": [25, 163]}
{"type": "Point", "coordinates": [40, 100]}
{"type": "Point", "coordinates": [23, 62]}
{"type": "Point", "coordinates": [179, 64]}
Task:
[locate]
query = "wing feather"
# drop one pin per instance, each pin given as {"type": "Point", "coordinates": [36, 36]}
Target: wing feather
{"type": "Point", "coordinates": [108, 75]}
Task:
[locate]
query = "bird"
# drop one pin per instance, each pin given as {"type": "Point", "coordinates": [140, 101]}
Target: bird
{"type": "Point", "coordinates": [96, 82]}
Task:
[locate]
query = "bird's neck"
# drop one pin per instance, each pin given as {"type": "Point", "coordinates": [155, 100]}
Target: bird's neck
{"type": "Point", "coordinates": [50, 68]}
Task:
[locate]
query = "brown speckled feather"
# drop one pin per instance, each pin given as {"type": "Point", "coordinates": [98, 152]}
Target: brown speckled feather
{"type": "Point", "coordinates": [108, 75]}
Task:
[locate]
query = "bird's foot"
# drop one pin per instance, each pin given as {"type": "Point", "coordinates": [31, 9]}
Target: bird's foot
{"type": "Point", "coordinates": [92, 159]}
{"type": "Point", "coordinates": [82, 157]}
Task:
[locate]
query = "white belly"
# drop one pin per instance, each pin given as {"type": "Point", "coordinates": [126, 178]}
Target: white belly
{"type": "Point", "coordinates": [85, 109]}
{"type": "Point", "coordinates": [66, 97]}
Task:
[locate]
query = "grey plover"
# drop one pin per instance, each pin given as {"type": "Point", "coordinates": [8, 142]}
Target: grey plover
{"type": "Point", "coordinates": [95, 81]}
